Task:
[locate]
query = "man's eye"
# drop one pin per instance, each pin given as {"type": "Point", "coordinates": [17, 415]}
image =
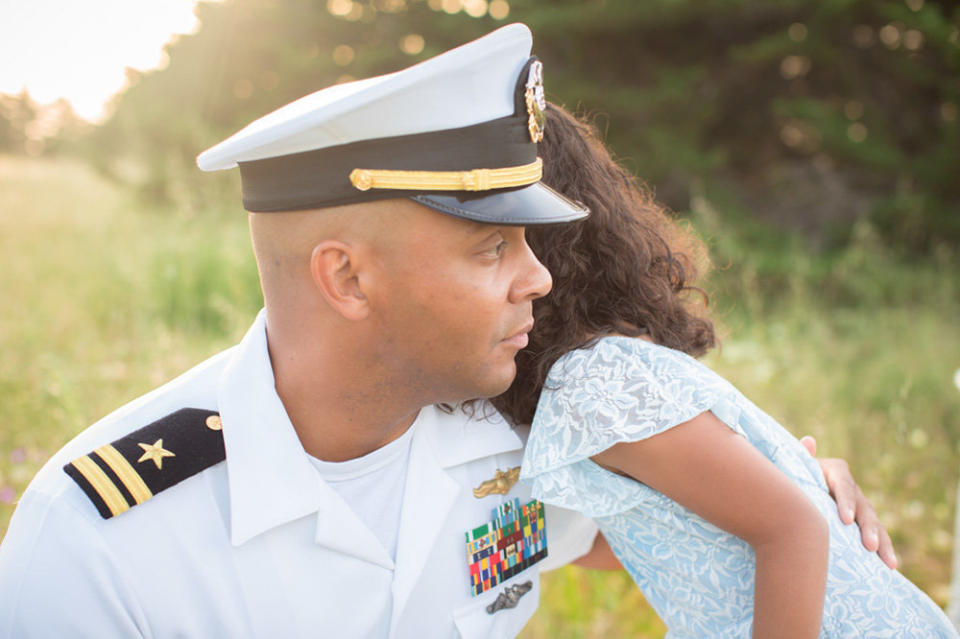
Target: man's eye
{"type": "Point", "coordinates": [499, 249]}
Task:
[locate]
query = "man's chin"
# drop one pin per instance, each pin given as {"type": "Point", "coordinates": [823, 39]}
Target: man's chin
{"type": "Point", "coordinates": [501, 383]}
{"type": "Point", "coordinates": [493, 384]}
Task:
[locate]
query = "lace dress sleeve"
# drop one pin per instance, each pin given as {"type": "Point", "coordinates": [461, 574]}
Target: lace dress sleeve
{"type": "Point", "coordinates": [620, 390]}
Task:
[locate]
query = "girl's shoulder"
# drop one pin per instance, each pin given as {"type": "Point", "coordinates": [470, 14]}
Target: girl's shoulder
{"type": "Point", "coordinates": [625, 358]}
{"type": "Point", "coordinates": [619, 389]}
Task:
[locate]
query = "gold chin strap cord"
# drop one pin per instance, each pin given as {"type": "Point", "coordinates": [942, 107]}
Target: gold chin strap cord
{"type": "Point", "coordinates": [475, 180]}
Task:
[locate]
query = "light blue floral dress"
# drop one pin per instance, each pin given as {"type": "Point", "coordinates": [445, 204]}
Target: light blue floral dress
{"type": "Point", "coordinates": [698, 577]}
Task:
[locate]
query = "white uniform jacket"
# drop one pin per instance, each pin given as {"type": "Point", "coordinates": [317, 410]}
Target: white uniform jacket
{"type": "Point", "coordinates": [260, 545]}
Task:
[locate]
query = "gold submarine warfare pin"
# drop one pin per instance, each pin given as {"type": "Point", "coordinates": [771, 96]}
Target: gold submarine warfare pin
{"type": "Point", "coordinates": [501, 483]}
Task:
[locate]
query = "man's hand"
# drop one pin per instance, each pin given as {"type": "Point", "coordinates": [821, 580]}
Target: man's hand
{"type": "Point", "coordinates": [853, 506]}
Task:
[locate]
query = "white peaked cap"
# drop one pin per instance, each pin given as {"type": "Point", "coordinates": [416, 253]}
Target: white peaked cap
{"type": "Point", "coordinates": [456, 133]}
{"type": "Point", "coordinates": [458, 88]}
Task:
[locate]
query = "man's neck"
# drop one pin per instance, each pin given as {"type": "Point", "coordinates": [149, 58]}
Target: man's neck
{"type": "Point", "coordinates": [342, 436]}
{"type": "Point", "coordinates": [339, 410]}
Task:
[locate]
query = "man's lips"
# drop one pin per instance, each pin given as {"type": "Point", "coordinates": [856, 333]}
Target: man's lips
{"type": "Point", "coordinates": [520, 339]}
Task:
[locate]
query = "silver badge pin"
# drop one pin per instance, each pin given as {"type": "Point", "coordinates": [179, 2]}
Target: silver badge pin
{"type": "Point", "coordinates": [510, 597]}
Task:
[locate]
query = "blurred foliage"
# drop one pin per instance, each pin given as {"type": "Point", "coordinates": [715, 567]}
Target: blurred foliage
{"type": "Point", "coordinates": [17, 112]}
{"type": "Point", "coordinates": [32, 129]}
{"type": "Point", "coordinates": [812, 115]}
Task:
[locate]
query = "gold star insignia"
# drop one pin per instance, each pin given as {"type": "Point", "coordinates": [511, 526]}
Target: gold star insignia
{"type": "Point", "coordinates": [155, 452]}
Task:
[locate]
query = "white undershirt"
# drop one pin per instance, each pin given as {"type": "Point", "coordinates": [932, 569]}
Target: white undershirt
{"type": "Point", "coordinates": [372, 486]}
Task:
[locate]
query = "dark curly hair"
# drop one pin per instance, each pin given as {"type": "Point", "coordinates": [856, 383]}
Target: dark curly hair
{"type": "Point", "coordinates": [627, 269]}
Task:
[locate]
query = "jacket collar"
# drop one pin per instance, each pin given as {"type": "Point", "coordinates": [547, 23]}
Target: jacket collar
{"type": "Point", "coordinates": [270, 477]}
{"type": "Point", "coordinates": [460, 437]}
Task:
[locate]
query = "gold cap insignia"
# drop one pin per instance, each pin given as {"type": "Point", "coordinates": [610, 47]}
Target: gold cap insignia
{"type": "Point", "coordinates": [536, 102]}
{"type": "Point", "coordinates": [501, 483]}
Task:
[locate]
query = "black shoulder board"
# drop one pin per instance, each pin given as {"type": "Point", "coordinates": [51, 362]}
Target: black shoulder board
{"type": "Point", "coordinates": [134, 468]}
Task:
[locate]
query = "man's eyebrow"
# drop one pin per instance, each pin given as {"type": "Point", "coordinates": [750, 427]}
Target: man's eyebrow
{"type": "Point", "coordinates": [474, 227]}
{"type": "Point", "coordinates": [485, 232]}
{"type": "Point", "coordinates": [472, 230]}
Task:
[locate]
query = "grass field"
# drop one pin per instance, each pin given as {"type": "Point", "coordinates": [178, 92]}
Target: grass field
{"type": "Point", "coordinates": [104, 298]}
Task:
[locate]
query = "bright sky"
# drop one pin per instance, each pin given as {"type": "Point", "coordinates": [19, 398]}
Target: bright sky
{"type": "Point", "coordinates": [78, 49]}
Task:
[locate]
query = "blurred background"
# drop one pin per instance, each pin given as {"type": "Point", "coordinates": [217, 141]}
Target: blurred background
{"type": "Point", "coordinates": [814, 146]}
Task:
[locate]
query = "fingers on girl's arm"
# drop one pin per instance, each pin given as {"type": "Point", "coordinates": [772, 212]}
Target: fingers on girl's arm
{"type": "Point", "coordinates": [810, 443]}
{"type": "Point", "coordinates": [886, 549]}
{"type": "Point", "coordinates": [842, 488]}
{"type": "Point", "coordinates": [855, 507]}
{"type": "Point", "coordinates": [872, 532]}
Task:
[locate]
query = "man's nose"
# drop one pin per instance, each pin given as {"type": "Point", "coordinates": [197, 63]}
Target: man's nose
{"type": "Point", "coordinates": [534, 280]}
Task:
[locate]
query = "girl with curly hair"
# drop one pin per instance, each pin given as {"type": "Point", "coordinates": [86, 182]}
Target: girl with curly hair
{"type": "Point", "coordinates": [721, 516]}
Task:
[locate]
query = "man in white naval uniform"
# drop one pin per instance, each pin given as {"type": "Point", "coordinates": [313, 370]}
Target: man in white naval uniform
{"type": "Point", "coordinates": [308, 482]}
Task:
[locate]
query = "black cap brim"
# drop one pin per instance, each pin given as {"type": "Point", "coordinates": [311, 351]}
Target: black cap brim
{"type": "Point", "coordinates": [525, 206]}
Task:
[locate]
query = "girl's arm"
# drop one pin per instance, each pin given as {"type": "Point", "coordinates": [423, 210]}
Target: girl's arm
{"type": "Point", "coordinates": [719, 475]}
{"type": "Point", "coordinates": [852, 505]}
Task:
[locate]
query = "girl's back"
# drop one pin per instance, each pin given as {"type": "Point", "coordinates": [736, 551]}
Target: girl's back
{"type": "Point", "coordinates": [699, 578]}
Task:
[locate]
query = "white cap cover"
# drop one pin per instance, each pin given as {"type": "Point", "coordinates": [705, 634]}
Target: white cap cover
{"type": "Point", "coordinates": [470, 84]}
{"type": "Point", "coordinates": [449, 132]}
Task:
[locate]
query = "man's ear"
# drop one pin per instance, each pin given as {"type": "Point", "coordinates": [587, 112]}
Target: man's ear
{"type": "Point", "coordinates": [334, 269]}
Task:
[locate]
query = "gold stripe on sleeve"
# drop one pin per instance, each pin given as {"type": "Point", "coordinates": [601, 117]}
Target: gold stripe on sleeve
{"type": "Point", "coordinates": [130, 477]}
{"type": "Point", "coordinates": [102, 484]}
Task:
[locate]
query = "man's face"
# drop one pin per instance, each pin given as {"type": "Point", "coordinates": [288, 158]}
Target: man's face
{"type": "Point", "coordinates": [457, 303]}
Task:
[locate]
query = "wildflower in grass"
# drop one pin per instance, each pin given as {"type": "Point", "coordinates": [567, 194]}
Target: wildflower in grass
{"type": "Point", "coordinates": [7, 494]}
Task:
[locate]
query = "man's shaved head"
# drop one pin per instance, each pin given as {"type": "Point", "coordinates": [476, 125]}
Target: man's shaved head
{"type": "Point", "coordinates": [284, 242]}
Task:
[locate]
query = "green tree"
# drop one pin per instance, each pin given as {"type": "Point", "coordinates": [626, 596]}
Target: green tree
{"type": "Point", "coordinates": [861, 97]}
{"type": "Point", "coordinates": [16, 114]}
